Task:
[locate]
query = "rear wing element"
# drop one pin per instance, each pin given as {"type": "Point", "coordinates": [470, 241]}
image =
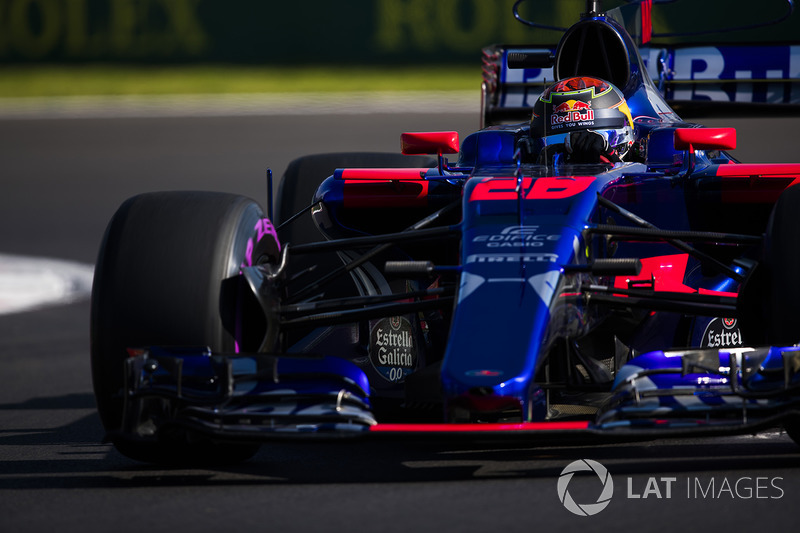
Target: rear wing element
{"type": "Point", "coordinates": [687, 77]}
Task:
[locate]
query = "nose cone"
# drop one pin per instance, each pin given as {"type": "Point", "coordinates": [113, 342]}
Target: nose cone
{"type": "Point", "coordinates": [484, 404]}
{"type": "Point", "coordinates": [495, 342]}
{"type": "Point", "coordinates": [513, 247]}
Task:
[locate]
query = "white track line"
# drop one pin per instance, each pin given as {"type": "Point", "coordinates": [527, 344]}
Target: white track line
{"type": "Point", "coordinates": [257, 104]}
{"type": "Point", "coordinates": [28, 283]}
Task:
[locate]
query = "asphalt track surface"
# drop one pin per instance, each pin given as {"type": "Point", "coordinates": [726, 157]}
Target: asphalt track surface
{"type": "Point", "coordinates": [61, 182]}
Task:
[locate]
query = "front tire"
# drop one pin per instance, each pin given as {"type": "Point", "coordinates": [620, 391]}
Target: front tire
{"type": "Point", "coordinates": [158, 281]}
{"type": "Point", "coordinates": [780, 278]}
{"type": "Point", "coordinates": [770, 299]}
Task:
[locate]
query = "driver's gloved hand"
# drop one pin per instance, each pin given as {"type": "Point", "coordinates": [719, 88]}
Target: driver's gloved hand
{"type": "Point", "coordinates": [527, 150]}
{"type": "Point", "coordinates": [589, 147]}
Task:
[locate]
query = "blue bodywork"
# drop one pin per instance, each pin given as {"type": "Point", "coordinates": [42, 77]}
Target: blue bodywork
{"type": "Point", "coordinates": [526, 340]}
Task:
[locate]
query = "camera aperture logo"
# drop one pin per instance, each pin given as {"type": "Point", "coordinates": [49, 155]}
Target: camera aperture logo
{"type": "Point", "coordinates": [585, 509]}
{"type": "Point", "coordinates": [641, 488]}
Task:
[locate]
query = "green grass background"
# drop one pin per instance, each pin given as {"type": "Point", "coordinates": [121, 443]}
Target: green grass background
{"type": "Point", "coordinates": [59, 80]}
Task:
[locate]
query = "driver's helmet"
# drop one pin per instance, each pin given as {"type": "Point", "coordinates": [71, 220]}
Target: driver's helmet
{"type": "Point", "coordinates": [583, 103]}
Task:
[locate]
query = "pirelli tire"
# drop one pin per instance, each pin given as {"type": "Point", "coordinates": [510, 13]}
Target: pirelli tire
{"type": "Point", "coordinates": [159, 280]}
{"type": "Point", "coordinates": [780, 277]}
{"type": "Point", "coordinates": [778, 282]}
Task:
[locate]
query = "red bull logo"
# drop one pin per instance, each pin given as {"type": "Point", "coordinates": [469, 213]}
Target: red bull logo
{"type": "Point", "coordinates": [563, 107]}
{"type": "Point", "coordinates": [572, 111]}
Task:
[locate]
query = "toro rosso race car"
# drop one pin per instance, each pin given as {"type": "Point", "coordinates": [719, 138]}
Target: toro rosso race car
{"type": "Point", "coordinates": [602, 270]}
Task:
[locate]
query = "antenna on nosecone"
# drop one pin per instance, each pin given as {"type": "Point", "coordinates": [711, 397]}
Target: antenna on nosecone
{"type": "Point", "coordinates": [544, 122]}
{"type": "Point", "coordinates": [593, 8]}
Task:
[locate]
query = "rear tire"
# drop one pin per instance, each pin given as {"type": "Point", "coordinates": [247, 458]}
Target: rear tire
{"type": "Point", "coordinates": [158, 281]}
{"type": "Point", "coordinates": [296, 192]}
{"type": "Point", "coordinates": [304, 175]}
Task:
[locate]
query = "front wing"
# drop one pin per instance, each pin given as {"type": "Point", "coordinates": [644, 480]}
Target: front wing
{"type": "Point", "coordinates": [260, 397]}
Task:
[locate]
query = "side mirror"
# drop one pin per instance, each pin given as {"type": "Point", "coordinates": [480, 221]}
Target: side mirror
{"type": "Point", "coordinates": [692, 139]}
{"type": "Point", "coordinates": [429, 143]}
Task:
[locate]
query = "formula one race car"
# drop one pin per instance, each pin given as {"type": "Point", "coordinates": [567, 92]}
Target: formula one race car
{"type": "Point", "coordinates": [603, 270]}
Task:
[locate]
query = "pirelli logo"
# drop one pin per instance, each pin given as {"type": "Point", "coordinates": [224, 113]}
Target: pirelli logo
{"type": "Point", "coordinates": [513, 258]}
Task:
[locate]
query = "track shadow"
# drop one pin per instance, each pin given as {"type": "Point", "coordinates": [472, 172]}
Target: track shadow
{"type": "Point", "coordinates": [68, 401]}
{"type": "Point", "coordinates": [74, 456]}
